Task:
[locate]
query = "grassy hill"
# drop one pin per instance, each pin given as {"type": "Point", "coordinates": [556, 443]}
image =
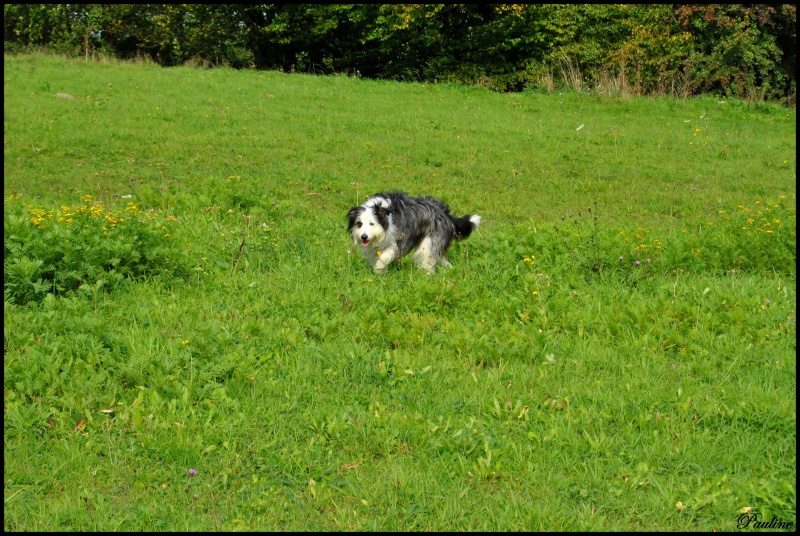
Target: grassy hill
{"type": "Point", "coordinates": [188, 344]}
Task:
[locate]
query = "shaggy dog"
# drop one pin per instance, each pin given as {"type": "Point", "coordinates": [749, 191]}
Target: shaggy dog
{"type": "Point", "coordinates": [389, 225]}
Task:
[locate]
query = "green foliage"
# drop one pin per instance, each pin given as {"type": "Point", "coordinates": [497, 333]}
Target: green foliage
{"type": "Point", "coordinates": [758, 239]}
{"type": "Point", "coordinates": [247, 373]}
{"type": "Point", "coordinates": [87, 246]}
{"type": "Point", "coordinates": [735, 50]}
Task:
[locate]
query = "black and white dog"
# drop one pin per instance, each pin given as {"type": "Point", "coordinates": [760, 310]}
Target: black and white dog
{"type": "Point", "coordinates": [389, 225]}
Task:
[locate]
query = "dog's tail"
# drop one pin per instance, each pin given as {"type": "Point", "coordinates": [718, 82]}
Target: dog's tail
{"type": "Point", "coordinates": [465, 225]}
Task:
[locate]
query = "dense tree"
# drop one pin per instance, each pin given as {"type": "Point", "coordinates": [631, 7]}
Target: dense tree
{"type": "Point", "coordinates": [745, 50]}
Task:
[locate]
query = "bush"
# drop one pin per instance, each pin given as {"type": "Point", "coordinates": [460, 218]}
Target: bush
{"type": "Point", "coordinates": [92, 244]}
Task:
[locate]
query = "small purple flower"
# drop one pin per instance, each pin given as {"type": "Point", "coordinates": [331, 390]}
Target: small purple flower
{"type": "Point", "coordinates": [637, 263]}
{"type": "Point", "coordinates": [620, 257]}
{"type": "Point", "coordinates": [192, 472]}
{"type": "Point", "coordinates": [196, 496]}
{"type": "Point", "coordinates": [648, 261]}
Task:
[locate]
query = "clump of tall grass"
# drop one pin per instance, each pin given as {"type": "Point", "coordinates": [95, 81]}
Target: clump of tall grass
{"type": "Point", "coordinates": [756, 237]}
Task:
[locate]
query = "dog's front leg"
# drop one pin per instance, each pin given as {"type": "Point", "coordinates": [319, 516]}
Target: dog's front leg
{"type": "Point", "coordinates": [383, 260]}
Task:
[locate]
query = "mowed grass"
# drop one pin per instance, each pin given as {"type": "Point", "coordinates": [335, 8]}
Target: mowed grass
{"type": "Point", "coordinates": [188, 345]}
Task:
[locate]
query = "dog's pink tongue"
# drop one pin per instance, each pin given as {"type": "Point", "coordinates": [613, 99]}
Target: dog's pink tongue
{"type": "Point", "coordinates": [365, 243]}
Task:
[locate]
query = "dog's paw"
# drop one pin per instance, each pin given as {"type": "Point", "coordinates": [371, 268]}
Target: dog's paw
{"type": "Point", "coordinates": [380, 266]}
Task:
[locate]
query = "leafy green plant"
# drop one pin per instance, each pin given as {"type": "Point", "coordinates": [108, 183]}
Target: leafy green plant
{"type": "Point", "coordinates": [60, 250]}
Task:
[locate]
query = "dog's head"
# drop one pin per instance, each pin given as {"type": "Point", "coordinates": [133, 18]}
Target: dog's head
{"type": "Point", "coordinates": [368, 224]}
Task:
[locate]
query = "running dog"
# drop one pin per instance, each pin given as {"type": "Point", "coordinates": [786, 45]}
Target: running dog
{"type": "Point", "coordinates": [389, 225]}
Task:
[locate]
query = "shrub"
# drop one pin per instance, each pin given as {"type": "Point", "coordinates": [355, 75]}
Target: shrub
{"type": "Point", "coordinates": [62, 249]}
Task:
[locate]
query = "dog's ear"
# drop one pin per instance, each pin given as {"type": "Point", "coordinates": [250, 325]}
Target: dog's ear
{"type": "Point", "coordinates": [353, 215]}
{"type": "Point", "coordinates": [382, 214]}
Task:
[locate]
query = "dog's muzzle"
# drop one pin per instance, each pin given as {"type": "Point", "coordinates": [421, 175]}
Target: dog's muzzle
{"type": "Point", "coordinates": [364, 241]}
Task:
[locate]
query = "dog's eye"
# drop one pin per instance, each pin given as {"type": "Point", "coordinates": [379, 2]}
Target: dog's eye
{"type": "Point", "coordinates": [358, 225]}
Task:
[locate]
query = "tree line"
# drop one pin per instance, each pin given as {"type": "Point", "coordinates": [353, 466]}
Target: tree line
{"type": "Point", "coordinates": [736, 50]}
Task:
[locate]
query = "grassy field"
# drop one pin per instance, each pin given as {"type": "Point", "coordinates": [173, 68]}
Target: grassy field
{"type": "Point", "coordinates": [188, 344]}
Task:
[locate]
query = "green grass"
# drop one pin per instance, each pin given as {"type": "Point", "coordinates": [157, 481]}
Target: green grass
{"type": "Point", "coordinates": [542, 383]}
